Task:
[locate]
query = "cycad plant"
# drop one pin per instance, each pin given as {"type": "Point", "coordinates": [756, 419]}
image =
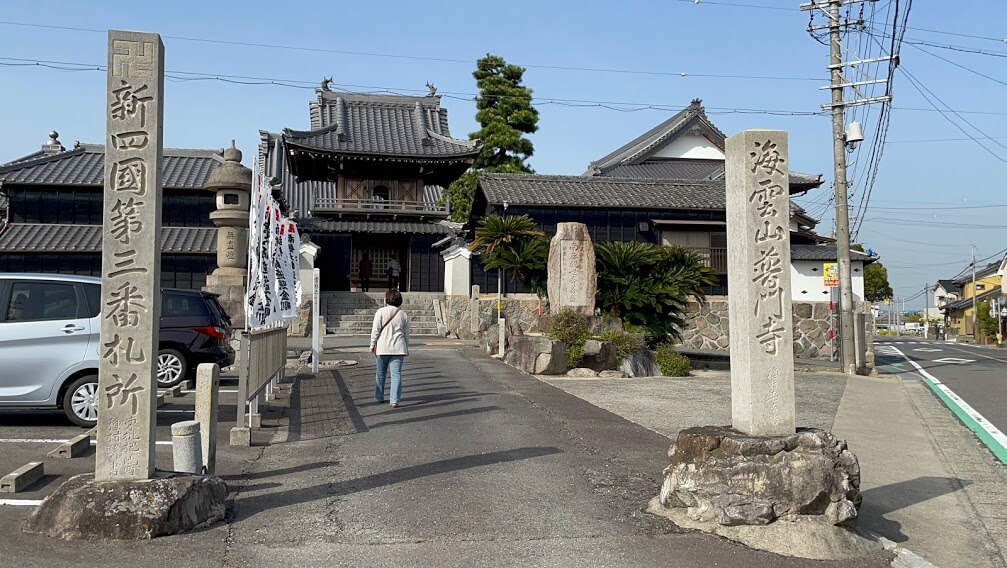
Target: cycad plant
{"type": "Point", "coordinates": [649, 286]}
{"type": "Point", "coordinates": [515, 244]}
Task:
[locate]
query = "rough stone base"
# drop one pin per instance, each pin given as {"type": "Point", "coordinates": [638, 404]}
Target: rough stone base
{"type": "Point", "coordinates": [719, 475]}
{"type": "Point", "coordinates": [801, 537]}
{"type": "Point", "coordinates": [537, 355]}
{"type": "Point", "coordinates": [84, 509]}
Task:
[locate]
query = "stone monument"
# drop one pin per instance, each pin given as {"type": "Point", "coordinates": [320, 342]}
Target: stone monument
{"type": "Point", "coordinates": [124, 499]}
{"type": "Point", "coordinates": [232, 183]}
{"type": "Point", "coordinates": [760, 312]}
{"type": "Point", "coordinates": [572, 276]}
{"type": "Point", "coordinates": [131, 257]}
{"type": "Point", "coordinates": [763, 470]}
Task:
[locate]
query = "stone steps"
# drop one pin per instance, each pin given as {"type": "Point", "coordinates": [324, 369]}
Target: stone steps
{"type": "Point", "coordinates": [352, 313]}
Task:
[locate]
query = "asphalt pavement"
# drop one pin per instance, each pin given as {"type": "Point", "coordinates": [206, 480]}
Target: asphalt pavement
{"type": "Point", "coordinates": [483, 465]}
{"type": "Point", "coordinates": [974, 380]}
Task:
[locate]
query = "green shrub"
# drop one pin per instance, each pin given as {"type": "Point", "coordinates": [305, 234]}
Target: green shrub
{"type": "Point", "coordinates": [570, 327]}
{"type": "Point", "coordinates": [625, 342]}
{"type": "Point", "coordinates": [672, 363]}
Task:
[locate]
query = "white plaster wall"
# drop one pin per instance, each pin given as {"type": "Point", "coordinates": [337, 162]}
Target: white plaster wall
{"type": "Point", "coordinates": [691, 146]}
{"type": "Point", "coordinates": [807, 284]}
{"type": "Point", "coordinates": [457, 273]}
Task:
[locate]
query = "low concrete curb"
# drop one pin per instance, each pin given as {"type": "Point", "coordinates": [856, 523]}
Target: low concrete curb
{"type": "Point", "coordinates": [175, 391]}
{"type": "Point", "coordinates": [22, 477]}
{"type": "Point", "coordinates": [904, 558]}
{"type": "Point", "coordinates": [72, 448]}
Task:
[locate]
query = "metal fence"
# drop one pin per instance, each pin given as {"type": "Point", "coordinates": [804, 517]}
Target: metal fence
{"type": "Point", "coordinates": [262, 357]}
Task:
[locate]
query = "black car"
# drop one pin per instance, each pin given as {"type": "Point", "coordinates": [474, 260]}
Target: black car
{"type": "Point", "coordinates": [194, 329]}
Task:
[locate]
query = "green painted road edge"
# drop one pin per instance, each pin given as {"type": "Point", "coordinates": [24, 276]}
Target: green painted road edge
{"type": "Point", "coordinates": [957, 407]}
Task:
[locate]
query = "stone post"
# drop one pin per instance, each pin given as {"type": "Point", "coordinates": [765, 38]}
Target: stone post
{"type": "Point", "coordinates": [232, 183]}
{"type": "Point", "coordinates": [758, 255]}
{"type": "Point", "coordinates": [131, 257]}
{"type": "Point", "coordinates": [185, 451]}
{"type": "Point", "coordinates": [207, 389]}
{"type": "Point", "coordinates": [572, 277]}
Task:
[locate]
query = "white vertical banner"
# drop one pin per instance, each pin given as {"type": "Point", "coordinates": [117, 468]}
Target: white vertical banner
{"type": "Point", "coordinates": [271, 250]}
{"type": "Point", "coordinates": [253, 283]}
{"type": "Point", "coordinates": [294, 247]}
{"type": "Point", "coordinates": [285, 284]}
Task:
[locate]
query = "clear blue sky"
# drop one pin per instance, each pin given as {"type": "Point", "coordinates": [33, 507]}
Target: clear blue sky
{"type": "Point", "coordinates": [669, 36]}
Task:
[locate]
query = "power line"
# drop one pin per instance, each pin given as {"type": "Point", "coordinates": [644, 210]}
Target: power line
{"type": "Point", "coordinates": [960, 66]}
{"type": "Point", "coordinates": [651, 72]}
{"type": "Point", "coordinates": [458, 95]}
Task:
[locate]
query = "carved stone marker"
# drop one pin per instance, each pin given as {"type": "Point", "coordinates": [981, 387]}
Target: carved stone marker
{"type": "Point", "coordinates": [758, 277]}
{"type": "Point", "coordinates": [573, 278]}
{"type": "Point", "coordinates": [131, 259]}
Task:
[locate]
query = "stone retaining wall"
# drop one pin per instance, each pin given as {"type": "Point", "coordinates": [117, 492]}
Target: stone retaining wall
{"type": "Point", "coordinates": [707, 328]}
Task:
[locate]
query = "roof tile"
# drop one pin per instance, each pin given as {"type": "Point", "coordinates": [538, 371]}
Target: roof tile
{"type": "Point", "coordinates": [84, 165]}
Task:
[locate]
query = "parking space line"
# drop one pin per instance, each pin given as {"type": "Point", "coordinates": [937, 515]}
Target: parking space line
{"type": "Point", "coordinates": [989, 434]}
{"type": "Point", "coordinates": [21, 502]}
{"type": "Point", "coordinates": [55, 441]}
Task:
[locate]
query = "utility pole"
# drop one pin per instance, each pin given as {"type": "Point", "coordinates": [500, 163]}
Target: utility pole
{"type": "Point", "coordinates": [852, 357]}
{"type": "Point", "coordinates": [926, 311]}
{"type": "Point", "coordinates": [975, 332]}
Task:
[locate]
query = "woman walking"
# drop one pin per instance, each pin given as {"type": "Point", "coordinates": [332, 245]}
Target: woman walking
{"type": "Point", "coordinates": [390, 345]}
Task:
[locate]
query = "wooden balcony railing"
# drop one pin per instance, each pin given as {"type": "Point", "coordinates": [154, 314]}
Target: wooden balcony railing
{"type": "Point", "coordinates": [715, 258]}
{"type": "Point", "coordinates": [391, 206]}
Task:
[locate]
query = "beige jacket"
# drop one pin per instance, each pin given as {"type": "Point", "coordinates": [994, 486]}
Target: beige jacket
{"type": "Point", "coordinates": [394, 340]}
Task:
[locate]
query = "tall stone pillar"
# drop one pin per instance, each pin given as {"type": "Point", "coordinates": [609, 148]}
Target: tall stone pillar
{"type": "Point", "coordinates": [130, 257]}
{"type": "Point", "coordinates": [758, 277]}
{"type": "Point", "coordinates": [233, 184]}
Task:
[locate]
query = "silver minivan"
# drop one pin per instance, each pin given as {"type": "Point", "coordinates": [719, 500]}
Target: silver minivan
{"type": "Point", "coordinates": [49, 338]}
{"type": "Point", "coordinates": [48, 345]}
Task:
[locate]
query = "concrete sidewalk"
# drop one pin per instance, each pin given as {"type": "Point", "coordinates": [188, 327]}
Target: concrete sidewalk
{"type": "Point", "coordinates": [927, 482]}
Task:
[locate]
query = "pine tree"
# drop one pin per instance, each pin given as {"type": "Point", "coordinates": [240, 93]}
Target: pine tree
{"type": "Point", "coordinates": [505, 114]}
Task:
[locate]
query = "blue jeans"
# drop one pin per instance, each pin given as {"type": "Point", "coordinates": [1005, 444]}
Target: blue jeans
{"type": "Point", "coordinates": [384, 364]}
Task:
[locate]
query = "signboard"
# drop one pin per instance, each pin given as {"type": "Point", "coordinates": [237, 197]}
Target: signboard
{"type": "Point", "coordinates": [830, 274]}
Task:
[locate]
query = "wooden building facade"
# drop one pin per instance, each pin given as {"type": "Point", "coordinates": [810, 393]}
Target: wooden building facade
{"type": "Point", "coordinates": [366, 180]}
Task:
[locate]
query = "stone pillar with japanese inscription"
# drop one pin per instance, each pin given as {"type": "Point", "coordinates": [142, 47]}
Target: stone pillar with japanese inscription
{"type": "Point", "coordinates": [758, 254]}
{"type": "Point", "coordinates": [572, 276]}
{"type": "Point", "coordinates": [131, 257]}
{"type": "Point", "coordinates": [232, 182]}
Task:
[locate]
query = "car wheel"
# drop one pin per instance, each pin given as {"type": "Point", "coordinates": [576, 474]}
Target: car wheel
{"type": "Point", "coordinates": [171, 368]}
{"type": "Point", "coordinates": [80, 401]}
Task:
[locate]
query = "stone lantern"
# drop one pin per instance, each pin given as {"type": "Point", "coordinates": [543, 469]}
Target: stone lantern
{"type": "Point", "coordinates": [233, 184]}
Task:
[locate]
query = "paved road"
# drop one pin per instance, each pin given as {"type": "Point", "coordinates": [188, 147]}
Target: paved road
{"type": "Point", "coordinates": [970, 380]}
{"type": "Point", "coordinates": [480, 466]}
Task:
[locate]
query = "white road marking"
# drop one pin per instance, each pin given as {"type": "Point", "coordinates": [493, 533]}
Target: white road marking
{"type": "Point", "coordinates": [231, 391]}
{"type": "Point", "coordinates": [177, 411]}
{"type": "Point", "coordinates": [21, 502]}
{"type": "Point", "coordinates": [56, 441]}
{"type": "Point", "coordinates": [954, 360]}
{"type": "Point", "coordinates": [927, 349]}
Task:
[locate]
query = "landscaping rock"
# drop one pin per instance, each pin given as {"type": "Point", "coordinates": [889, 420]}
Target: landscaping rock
{"type": "Point", "coordinates": [84, 509]}
{"type": "Point", "coordinates": [582, 372]}
{"type": "Point", "coordinates": [641, 364]}
{"type": "Point", "coordinates": [722, 476]}
{"type": "Point", "coordinates": [598, 355]}
{"type": "Point", "coordinates": [612, 374]}
{"type": "Point", "coordinates": [537, 355]}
